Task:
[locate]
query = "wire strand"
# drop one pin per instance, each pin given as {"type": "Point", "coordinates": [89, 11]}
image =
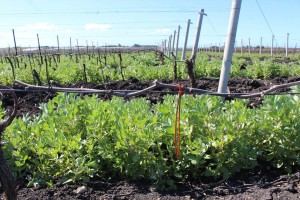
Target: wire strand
{"type": "Point", "coordinates": [266, 20]}
{"type": "Point", "coordinates": [212, 26]}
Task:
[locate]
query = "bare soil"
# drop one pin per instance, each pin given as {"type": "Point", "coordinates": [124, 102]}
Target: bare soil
{"type": "Point", "coordinates": [260, 183]}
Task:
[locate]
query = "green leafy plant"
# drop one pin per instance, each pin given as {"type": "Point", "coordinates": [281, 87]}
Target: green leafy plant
{"type": "Point", "coordinates": [77, 139]}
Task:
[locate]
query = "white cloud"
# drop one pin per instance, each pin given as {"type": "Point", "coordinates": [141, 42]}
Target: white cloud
{"type": "Point", "coordinates": [43, 26]}
{"type": "Point", "coordinates": [99, 27]}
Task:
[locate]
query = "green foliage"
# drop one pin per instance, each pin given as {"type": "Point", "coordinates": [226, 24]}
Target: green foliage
{"type": "Point", "coordinates": [76, 139]}
{"type": "Point", "coordinates": [146, 66]}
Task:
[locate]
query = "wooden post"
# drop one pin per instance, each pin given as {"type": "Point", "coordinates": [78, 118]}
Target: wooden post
{"type": "Point", "coordinates": [40, 52]}
{"type": "Point", "coordinates": [16, 49]}
{"type": "Point", "coordinates": [15, 42]}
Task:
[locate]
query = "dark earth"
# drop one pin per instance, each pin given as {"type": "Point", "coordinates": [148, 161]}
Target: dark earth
{"type": "Point", "coordinates": [262, 182]}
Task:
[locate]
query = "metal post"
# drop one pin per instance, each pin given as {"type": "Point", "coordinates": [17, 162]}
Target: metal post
{"type": "Point", "coordinates": [229, 47]}
{"type": "Point", "coordinates": [173, 43]}
{"type": "Point", "coordinates": [165, 47]}
{"type": "Point", "coordinates": [87, 47]}
{"type": "Point", "coordinates": [195, 48]}
{"type": "Point", "coordinates": [249, 46]}
{"type": "Point", "coordinates": [70, 45]}
{"type": "Point", "coordinates": [186, 39]}
{"type": "Point", "coordinates": [287, 45]}
{"type": "Point", "coordinates": [241, 45]}
{"type": "Point", "coordinates": [235, 47]}
{"type": "Point", "coordinates": [177, 42]}
{"type": "Point", "coordinates": [260, 47]}
{"type": "Point", "coordinates": [57, 43]}
{"type": "Point", "coordinates": [169, 46]}
{"type": "Point", "coordinates": [15, 42]}
{"type": "Point", "coordinates": [77, 46]}
{"type": "Point", "coordinates": [272, 45]}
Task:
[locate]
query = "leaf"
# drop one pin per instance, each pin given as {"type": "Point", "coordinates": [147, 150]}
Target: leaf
{"type": "Point", "coordinates": [194, 162]}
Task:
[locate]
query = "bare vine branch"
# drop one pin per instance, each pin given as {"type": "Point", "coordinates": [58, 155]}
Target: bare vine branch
{"type": "Point", "coordinates": [156, 85]}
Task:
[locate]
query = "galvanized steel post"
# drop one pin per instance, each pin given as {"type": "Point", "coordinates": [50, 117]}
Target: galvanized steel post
{"type": "Point", "coordinates": [173, 43]}
{"type": "Point", "coordinates": [287, 45]}
{"type": "Point", "coordinates": [260, 47]}
{"type": "Point", "coordinates": [249, 46]}
{"type": "Point", "coordinates": [70, 45]}
{"type": "Point", "coordinates": [176, 49]}
{"type": "Point", "coordinates": [186, 39]}
{"type": "Point", "coordinates": [165, 47]}
{"type": "Point", "coordinates": [229, 47]}
{"type": "Point", "coordinates": [235, 47]}
{"type": "Point", "coordinates": [169, 46]}
{"type": "Point", "coordinates": [57, 38]}
{"type": "Point", "coordinates": [272, 45]}
{"type": "Point", "coordinates": [195, 48]}
{"type": "Point", "coordinates": [241, 45]}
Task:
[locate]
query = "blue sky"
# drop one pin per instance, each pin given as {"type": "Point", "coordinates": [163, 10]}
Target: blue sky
{"type": "Point", "coordinates": [129, 22]}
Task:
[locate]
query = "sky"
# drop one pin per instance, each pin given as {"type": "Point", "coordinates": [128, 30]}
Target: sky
{"type": "Point", "coordinates": [145, 22]}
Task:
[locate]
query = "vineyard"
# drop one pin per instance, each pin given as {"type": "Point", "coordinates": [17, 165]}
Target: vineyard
{"type": "Point", "coordinates": [94, 118]}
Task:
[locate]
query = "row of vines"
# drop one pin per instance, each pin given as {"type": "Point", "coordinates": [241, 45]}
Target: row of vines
{"type": "Point", "coordinates": [81, 139]}
{"type": "Point", "coordinates": [104, 67]}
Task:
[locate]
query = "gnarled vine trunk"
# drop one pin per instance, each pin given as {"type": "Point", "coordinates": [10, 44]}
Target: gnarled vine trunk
{"type": "Point", "coordinates": [190, 69]}
{"type": "Point", "coordinates": [6, 178]}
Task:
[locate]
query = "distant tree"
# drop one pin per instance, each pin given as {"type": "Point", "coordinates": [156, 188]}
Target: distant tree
{"type": "Point", "coordinates": [136, 45]}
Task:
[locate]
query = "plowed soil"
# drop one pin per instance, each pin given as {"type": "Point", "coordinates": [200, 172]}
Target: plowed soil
{"type": "Point", "coordinates": [261, 183]}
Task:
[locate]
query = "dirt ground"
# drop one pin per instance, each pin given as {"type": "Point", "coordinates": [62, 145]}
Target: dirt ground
{"type": "Point", "coordinates": [261, 183]}
{"type": "Point", "coordinates": [268, 185]}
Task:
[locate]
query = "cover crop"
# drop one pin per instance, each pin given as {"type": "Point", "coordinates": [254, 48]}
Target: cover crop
{"type": "Point", "coordinates": [76, 139]}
